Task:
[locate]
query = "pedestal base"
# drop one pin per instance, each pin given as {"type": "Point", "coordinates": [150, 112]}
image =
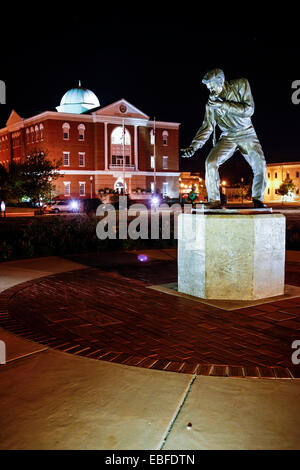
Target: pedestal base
{"type": "Point", "coordinates": [231, 257]}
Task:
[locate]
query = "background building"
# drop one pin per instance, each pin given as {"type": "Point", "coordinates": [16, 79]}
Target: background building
{"type": "Point", "coordinates": [189, 180]}
{"type": "Point", "coordinates": [276, 174]}
{"type": "Point", "coordinates": [88, 139]}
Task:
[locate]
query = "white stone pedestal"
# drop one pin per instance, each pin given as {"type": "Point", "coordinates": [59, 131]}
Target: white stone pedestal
{"type": "Point", "coordinates": [232, 257]}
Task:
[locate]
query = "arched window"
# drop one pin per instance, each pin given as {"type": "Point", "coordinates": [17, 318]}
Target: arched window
{"type": "Point", "coordinates": [81, 131]}
{"type": "Point", "coordinates": [27, 136]}
{"type": "Point", "coordinates": [165, 135]}
{"type": "Point", "coordinates": [117, 140]}
{"type": "Point", "coordinates": [41, 131]}
{"type": "Point", "coordinates": [36, 128]}
{"type": "Point", "coordinates": [32, 134]}
{"type": "Point", "coordinates": [66, 131]}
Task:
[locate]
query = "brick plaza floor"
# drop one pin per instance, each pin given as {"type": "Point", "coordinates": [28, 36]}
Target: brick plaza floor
{"type": "Point", "coordinates": [109, 313]}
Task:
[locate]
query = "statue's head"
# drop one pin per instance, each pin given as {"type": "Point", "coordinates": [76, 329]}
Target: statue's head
{"type": "Point", "coordinates": [214, 80]}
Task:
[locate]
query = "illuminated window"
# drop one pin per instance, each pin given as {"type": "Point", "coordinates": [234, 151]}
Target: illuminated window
{"type": "Point", "coordinates": [81, 131]}
{"type": "Point", "coordinates": [66, 131]}
{"type": "Point", "coordinates": [152, 186]}
{"type": "Point", "coordinates": [152, 162]}
{"type": "Point", "coordinates": [67, 185]}
{"type": "Point", "coordinates": [165, 162]}
{"type": "Point", "coordinates": [152, 140]}
{"type": "Point", "coordinates": [165, 189]}
{"type": "Point", "coordinates": [27, 136]}
{"type": "Point", "coordinates": [81, 158]}
{"type": "Point", "coordinates": [66, 158]}
{"type": "Point", "coordinates": [117, 136]}
{"type": "Point", "coordinates": [120, 144]}
{"type": "Point", "coordinates": [165, 135]}
{"type": "Point", "coordinates": [82, 188]}
{"type": "Point", "coordinates": [32, 134]}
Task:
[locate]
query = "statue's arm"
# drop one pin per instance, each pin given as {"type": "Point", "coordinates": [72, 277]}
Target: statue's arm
{"type": "Point", "coordinates": [204, 132]}
{"type": "Point", "coordinates": [246, 106]}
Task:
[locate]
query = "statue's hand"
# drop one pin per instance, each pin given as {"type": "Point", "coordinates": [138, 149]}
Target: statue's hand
{"type": "Point", "coordinates": [188, 152]}
{"type": "Point", "coordinates": [215, 102]}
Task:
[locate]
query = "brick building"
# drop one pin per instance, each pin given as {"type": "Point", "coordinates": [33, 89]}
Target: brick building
{"type": "Point", "coordinates": [89, 140]}
{"type": "Point", "coordinates": [277, 173]}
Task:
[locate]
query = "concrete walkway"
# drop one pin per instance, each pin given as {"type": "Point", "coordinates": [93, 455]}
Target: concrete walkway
{"type": "Point", "coordinates": [54, 400]}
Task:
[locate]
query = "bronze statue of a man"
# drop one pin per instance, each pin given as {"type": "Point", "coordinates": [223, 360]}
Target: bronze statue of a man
{"type": "Point", "coordinates": [230, 105]}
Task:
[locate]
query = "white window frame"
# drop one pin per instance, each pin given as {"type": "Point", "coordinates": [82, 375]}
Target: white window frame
{"type": "Point", "coordinates": [152, 186]}
{"type": "Point", "coordinates": [66, 153]}
{"type": "Point", "coordinates": [67, 184]}
{"type": "Point", "coordinates": [82, 183]}
{"type": "Point", "coordinates": [152, 162]}
{"type": "Point", "coordinates": [81, 154]}
{"type": "Point", "coordinates": [152, 137]}
{"type": "Point", "coordinates": [165, 162]}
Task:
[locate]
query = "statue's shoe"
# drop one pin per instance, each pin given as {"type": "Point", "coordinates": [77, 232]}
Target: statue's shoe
{"type": "Point", "coordinates": [213, 205]}
{"type": "Point", "coordinates": [258, 204]}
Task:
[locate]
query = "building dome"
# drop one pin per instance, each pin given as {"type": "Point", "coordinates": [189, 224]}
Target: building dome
{"type": "Point", "coordinates": [78, 100]}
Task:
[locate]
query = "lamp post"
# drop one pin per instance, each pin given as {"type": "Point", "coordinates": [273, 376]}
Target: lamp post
{"type": "Point", "coordinates": [91, 180]}
{"type": "Point", "coordinates": [50, 180]}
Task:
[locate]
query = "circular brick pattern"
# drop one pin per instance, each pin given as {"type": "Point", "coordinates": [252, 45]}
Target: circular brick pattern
{"type": "Point", "coordinates": [112, 315]}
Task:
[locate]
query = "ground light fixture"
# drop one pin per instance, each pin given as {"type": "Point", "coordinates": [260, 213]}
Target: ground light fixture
{"type": "Point", "coordinates": [142, 258]}
{"type": "Point", "coordinates": [155, 200]}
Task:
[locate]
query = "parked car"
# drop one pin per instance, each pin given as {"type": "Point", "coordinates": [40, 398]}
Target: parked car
{"type": "Point", "coordinates": [70, 205]}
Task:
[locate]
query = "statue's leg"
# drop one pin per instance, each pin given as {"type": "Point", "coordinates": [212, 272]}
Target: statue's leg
{"type": "Point", "coordinates": [253, 153]}
{"type": "Point", "coordinates": [222, 151]}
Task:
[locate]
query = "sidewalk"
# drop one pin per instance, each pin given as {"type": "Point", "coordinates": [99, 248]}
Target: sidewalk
{"type": "Point", "coordinates": [50, 399]}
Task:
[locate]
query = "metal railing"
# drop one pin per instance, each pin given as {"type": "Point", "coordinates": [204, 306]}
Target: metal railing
{"type": "Point", "coordinates": [115, 166]}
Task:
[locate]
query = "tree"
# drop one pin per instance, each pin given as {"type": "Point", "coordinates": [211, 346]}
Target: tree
{"type": "Point", "coordinates": [286, 187]}
{"type": "Point", "coordinates": [33, 177]}
{"type": "Point", "coordinates": [5, 187]}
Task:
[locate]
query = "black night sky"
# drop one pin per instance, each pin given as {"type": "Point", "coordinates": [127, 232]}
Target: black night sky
{"type": "Point", "coordinates": [155, 57]}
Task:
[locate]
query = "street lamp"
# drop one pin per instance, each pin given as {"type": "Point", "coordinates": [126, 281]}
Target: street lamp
{"type": "Point", "coordinates": [91, 180]}
{"type": "Point", "coordinates": [50, 180]}
{"type": "Point", "coordinates": [3, 209]}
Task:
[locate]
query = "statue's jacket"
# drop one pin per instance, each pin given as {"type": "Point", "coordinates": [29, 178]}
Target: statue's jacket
{"type": "Point", "coordinates": [233, 117]}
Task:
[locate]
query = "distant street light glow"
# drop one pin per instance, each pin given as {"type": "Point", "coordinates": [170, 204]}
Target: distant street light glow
{"type": "Point", "coordinates": [142, 258]}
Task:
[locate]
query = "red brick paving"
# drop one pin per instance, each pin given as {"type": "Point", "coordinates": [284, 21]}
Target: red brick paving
{"type": "Point", "coordinates": [111, 315]}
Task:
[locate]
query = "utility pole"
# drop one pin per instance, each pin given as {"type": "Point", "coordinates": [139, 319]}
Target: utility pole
{"type": "Point", "coordinates": [123, 148]}
{"type": "Point", "coordinates": [154, 156]}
